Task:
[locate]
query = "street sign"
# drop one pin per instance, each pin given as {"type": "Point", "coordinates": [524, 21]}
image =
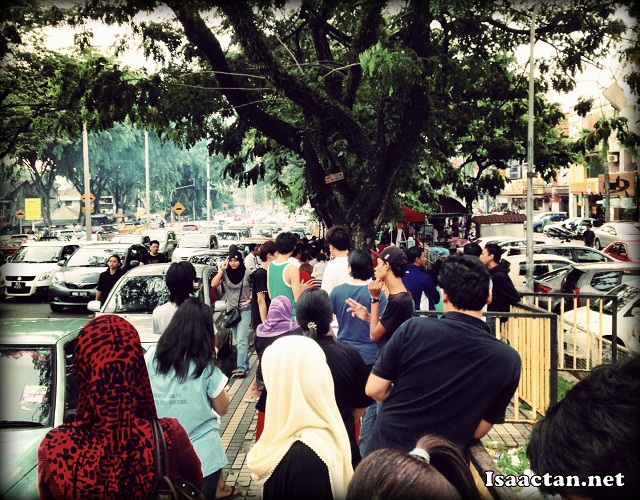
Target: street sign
{"type": "Point", "coordinates": [20, 214]}
{"type": "Point", "coordinates": [178, 208]}
{"type": "Point", "coordinates": [91, 209]}
{"type": "Point", "coordinates": [92, 197]}
{"type": "Point", "coordinates": [32, 209]}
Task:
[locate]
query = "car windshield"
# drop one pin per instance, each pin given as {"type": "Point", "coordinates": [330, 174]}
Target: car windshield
{"type": "Point", "coordinates": [141, 294]}
{"type": "Point", "coordinates": [132, 238]}
{"type": "Point", "coordinates": [28, 400]}
{"type": "Point", "coordinates": [557, 274]}
{"type": "Point", "coordinates": [195, 241]}
{"type": "Point", "coordinates": [625, 294]}
{"type": "Point", "coordinates": [37, 254]}
{"type": "Point", "coordinates": [93, 257]}
{"type": "Point", "coordinates": [629, 229]}
{"type": "Point", "coordinates": [228, 235]}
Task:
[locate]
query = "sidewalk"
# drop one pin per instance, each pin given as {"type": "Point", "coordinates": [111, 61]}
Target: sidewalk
{"type": "Point", "coordinates": [238, 427]}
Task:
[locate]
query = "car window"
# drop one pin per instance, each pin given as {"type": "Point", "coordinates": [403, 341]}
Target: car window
{"type": "Point", "coordinates": [554, 275]}
{"type": "Point", "coordinates": [37, 254]}
{"type": "Point", "coordinates": [605, 280]}
{"type": "Point", "coordinates": [564, 252]}
{"type": "Point", "coordinates": [28, 400]}
{"type": "Point", "coordinates": [589, 255]}
{"type": "Point", "coordinates": [625, 294]}
{"type": "Point", "coordinates": [93, 257]}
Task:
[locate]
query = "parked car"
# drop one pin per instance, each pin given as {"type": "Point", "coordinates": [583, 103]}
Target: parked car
{"type": "Point", "coordinates": [597, 278]}
{"type": "Point", "coordinates": [166, 238]}
{"type": "Point", "coordinates": [191, 242]}
{"type": "Point", "coordinates": [30, 268]}
{"type": "Point", "coordinates": [518, 246]}
{"type": "Point", "coordinates": [577, 253]}
{"type": "Point", "coordinates": [190, 226]}
{"type": "Point", "coordinates": [550, 282]}
{"type": "Point", "coordinates": [229, 237]}
{"type": "Point", "coordinates": [582, 328]}
{"type": "Point", "coordinates": [213, 257]}
{"type": "Point", "coordinates": [614, 231]}
{"type": "Point", "coordinates": [543, 218]}
{"type": "Point", "coordinates": [541, 264]}
{"type": "Point", "coordinates": [133, 238]}
{"type": "Point", "coordinates": [38, 394]}
{"type": "Point", "coordinates": [142, 289]}
{"type": "Point", "coordinates": [75, 282]}
{"type": "Point", "coordinates": [626, 251]}
{"type": "Point", "coordinates": [8, 247]}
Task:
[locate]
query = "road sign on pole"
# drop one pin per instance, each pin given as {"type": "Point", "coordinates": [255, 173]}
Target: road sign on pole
{"type": "Point", "coordinates": [92, 197]}
{"type": "Point", "coordinates": [178, 208]}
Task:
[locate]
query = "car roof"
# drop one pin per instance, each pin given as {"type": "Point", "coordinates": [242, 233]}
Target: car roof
{"type": "Point", "coordinates": [598, 266]}
{"type": "Point", "coordinates": [538, 256]}
{"type": "Point", "coordinates": [155, 269]}
{"type": "Point", "coordinates": [47, 243]}
{"type": "Point", "coordinates": [22, 331]}
{"type": "Point", "coordinates": [106, 244]}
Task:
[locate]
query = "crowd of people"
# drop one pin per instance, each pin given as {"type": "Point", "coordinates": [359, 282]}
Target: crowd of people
{"type": "Point", "coordinates": [357, 396]}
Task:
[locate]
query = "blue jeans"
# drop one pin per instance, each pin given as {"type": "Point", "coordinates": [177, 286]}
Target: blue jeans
{"type": "Point", "coordinates": [241, 336]}
{"type": "Point", "coordinates": [368, 421]}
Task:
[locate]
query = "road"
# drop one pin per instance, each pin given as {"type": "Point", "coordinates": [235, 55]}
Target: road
{"type": "Point", "coordinates": [19, 307]}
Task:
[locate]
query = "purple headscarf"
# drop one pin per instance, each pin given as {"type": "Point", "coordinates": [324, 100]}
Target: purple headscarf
{"type": "Point", "coordinates": [278, 319]}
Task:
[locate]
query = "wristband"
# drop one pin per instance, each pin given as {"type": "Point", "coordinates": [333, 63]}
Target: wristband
{"type": "Point", "coordinates": [373, 301]}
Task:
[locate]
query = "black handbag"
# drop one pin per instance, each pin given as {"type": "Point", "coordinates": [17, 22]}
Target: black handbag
{"type": "Point", "coordinates": [163, 488]}
{"type": "Point", "coordinates": [232, 317]}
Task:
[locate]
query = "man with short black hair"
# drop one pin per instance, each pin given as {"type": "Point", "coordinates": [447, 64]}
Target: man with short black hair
{"type": "Point", "coordinates": [427, 375]}
{"type": "Point", "coordinates": [155, 257]}
{"type": "Point", "coordinates": [418, 281]}
{"type": "Point", "coordinates": [336, 271]}
{"type": "Point", "coordinates": [593, 431]}
{"type": "Point", "coordinates": [589, 236]}
{"type": "Point", "coordinates": [503, 292]}
{"type": "Point", "coordinates": [252, 259]}
{"type": "Point", "coordinates": [259, 292]}
{"type": "Point", "coordinates": [283, 278]}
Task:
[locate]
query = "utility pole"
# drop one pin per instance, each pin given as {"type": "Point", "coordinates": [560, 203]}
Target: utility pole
{"type": "Point", "coordinates": [530, 168]}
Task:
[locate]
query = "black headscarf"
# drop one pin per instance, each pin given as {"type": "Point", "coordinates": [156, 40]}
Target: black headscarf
{"type": "Point", "coordinates": [236, 275]}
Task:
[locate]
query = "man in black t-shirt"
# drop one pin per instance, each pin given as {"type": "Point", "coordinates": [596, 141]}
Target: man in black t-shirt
{"type": "Point", "coordinates": [448, 376]}
{"type": "Point", "coordinates": [155, 257]}
{"type": "Point", "coordinates": [260, 299]}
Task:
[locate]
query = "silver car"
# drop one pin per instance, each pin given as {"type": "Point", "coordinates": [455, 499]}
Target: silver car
{"type": "Point", "coordinates": [614, 231]}
{"type": "Point", "coordinates": [38, 393]}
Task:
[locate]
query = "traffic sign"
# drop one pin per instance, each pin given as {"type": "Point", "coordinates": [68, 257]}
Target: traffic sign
{"type": "Point", "coordinates": [92, 197]}
{"type": "Point", "coordinates": [178, 208]}
{"type": "Point", "coordinates": [20, 214]}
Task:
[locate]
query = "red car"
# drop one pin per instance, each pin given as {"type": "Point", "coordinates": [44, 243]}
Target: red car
{"type": "Point", "coordinates": [8, 247]}
{"type": "Point", "coordinates": [624, 250]}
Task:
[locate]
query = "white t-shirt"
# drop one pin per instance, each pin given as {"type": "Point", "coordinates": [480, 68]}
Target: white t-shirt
{"type": "Point", "coordinates": [162, 316]}
{"type": "Point", "coordinates": [336, 272]}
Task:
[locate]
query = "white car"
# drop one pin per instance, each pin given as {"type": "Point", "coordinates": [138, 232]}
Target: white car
{"type": "Point", "coordinates": [189, 243]}
{"type": "Point", "coordinates": [229, 237]}
{"type": "Point", "coordinates": [587, 321]}
{"type": "Point", "coordinates": [29, 270]}
{"type": "Point", "coordinates": [542, 264]}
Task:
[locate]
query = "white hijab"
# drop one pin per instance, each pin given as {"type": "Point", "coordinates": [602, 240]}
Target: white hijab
{"type": "Point", "coordinates": [301, 406]}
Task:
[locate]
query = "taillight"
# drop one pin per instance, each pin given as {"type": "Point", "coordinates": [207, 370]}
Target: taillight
{"type": "Point", "coordinates": [576, 290]}
{"type": "Point", "coordinates": [538, 288]}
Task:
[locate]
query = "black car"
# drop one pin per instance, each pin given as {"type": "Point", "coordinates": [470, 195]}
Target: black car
{"type": "Point", "coordinates": [75, 282]}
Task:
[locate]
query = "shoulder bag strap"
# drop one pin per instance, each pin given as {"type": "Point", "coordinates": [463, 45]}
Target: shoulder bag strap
{"type": "Point", "coordinates": [161, 460]}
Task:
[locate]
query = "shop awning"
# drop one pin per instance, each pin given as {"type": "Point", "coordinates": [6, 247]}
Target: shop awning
{"type": "Point", "coordinates": [410, 215]}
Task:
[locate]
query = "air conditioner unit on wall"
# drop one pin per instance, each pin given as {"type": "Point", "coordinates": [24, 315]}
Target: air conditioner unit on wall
{"type": "Point", "coordinates": [612, 158]}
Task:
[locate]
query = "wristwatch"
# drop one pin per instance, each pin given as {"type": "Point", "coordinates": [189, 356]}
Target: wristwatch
{"type": "Point", "coordinates": [373, 301]}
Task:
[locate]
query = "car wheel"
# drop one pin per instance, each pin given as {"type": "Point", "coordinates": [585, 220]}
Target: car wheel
{"type": "Point", "coordinates": [56, 308]}
{"type": "Point", "coordinates": [597, 244]}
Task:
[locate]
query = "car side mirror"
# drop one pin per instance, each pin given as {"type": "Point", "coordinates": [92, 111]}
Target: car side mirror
{"type": "Point", "coordinates": [220, 306]}
{"type": "Point", "coordinates": [134, 263]}
{"type": "Point", "coordinates": [94, 306]}
{"type": "Point", "coordinates": [61, 262]}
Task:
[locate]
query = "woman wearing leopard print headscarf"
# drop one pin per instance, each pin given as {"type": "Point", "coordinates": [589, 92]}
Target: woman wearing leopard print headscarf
{"type": "Point", "coordinates": [107, 451]}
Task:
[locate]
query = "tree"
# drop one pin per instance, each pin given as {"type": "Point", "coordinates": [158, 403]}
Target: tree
{"type": "Point", "coordinates": [359, 89]}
